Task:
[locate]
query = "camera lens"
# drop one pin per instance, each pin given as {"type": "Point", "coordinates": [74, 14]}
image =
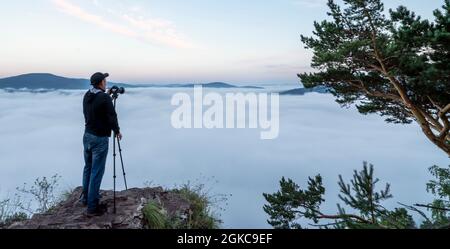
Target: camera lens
{"type": "Point", "coordinates": [117, 90]}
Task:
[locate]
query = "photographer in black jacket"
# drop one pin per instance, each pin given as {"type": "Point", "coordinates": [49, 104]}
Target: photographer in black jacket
{"type": "Point", "coordinates": [100, 120]}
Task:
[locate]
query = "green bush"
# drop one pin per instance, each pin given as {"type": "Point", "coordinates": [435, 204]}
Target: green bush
{"type": "Point", "coordinates": [17, 217]}
{"type": "Point", "coordinates": [201, 215]}
{"type": "Point", "coordinates": [42, 193]}
{"type": "Point", "coordinates": [155, 216]}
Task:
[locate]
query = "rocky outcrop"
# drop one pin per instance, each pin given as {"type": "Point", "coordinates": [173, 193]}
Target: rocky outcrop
{"type": "Point", "coordinates": [71, 214]}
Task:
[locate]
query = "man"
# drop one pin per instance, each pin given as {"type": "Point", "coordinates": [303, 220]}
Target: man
{"type": "Point", "coordinates": [100, 119]}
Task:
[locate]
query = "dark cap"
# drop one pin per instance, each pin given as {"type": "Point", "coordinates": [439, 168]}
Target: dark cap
{"type": "Point", "coordinates": [97, 78]}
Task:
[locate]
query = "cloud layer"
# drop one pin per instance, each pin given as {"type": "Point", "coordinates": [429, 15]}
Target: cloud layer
{"type": "Point", "coordinates": [42, 135]}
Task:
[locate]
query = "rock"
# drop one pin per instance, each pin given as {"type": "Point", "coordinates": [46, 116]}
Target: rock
{"type": "Point", "coordinates": [70, 214]}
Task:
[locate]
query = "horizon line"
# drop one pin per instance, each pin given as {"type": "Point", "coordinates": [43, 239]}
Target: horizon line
{"type": "Point", "coordinates": [150, 83]}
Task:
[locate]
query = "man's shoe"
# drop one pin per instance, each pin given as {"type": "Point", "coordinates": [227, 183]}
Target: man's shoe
{"type": "Point", "coordinates": [101, 209]}
{"type": "Point", "coordinates": [96, 213]}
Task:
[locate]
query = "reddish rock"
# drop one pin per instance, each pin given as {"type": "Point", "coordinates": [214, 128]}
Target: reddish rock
{"type": "Point", "coordinates": [70, 214]}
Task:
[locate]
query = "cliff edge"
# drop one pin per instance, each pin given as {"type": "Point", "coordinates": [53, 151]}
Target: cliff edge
{"type": "Point", "coordinates": [131, 211]}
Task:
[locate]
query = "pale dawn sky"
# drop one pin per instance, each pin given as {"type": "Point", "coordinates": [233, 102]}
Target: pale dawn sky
{"type": "Point", "coordinates": [170, 41]}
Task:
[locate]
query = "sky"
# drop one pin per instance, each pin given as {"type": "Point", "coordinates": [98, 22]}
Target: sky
{"type": "Point", "coordinates": [170, 41]}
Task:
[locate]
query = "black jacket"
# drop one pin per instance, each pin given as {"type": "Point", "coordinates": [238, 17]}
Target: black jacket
{"type": "Point", "coordinates": [99, 114]}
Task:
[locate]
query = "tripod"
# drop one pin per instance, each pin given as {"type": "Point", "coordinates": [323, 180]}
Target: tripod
{"type": "Point", "coordinates": [115, 139]}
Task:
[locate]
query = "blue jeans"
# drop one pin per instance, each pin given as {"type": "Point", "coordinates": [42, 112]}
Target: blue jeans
{"type": "Point", "coordinates": [95, 153]}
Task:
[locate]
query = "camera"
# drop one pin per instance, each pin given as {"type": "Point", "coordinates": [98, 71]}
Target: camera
{"type": "Point", "coordinates": [115, 91]}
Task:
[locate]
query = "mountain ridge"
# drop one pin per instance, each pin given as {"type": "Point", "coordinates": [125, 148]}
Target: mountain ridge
{"type": "Point", "coordinates": [303, 91]}
{"type": "Point", "coordinates": [35, 81]}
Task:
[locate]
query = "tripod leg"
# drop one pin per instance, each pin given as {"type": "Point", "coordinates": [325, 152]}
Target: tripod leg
{"type": "Point", "coordinates": [114, 172]}
{"type": "Point", "coordinates": [123, 168]}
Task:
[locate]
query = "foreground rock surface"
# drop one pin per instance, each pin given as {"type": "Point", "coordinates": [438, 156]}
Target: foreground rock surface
{"type": "Point", "coordinates": [70, 214]}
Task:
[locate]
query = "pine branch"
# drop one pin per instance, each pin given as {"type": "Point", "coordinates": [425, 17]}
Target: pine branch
{"type": "Point", "coordinates": [432, 207]}
{"type": "Point", "coordinates": [443, 116]}
{"type": "Point", "coordinates": [345, 216]}
{"type": "Point", "coordinates": [446, 226]}
{"type": "Point", "coordinates": [326, 225]}
{"type": "Point", "coordinates": [417, 211]}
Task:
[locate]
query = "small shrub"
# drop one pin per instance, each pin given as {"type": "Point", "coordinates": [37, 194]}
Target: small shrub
{"type": "Point", "coordinates": [42, 192]}
{"type": "Point", "coordinates": [10, 211]}
{"type": "Point", "coordinates": [65, 195]}
{"type": "Point", "coordinates": [201, 216]}
{"type": "Point", "coordinates": [17, 217]}
{"type": "Point", "coordinates": [155, 216]}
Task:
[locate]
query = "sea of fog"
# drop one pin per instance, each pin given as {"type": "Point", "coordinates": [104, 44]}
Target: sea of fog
{"type": "Point", "coordinates": [41, 135]}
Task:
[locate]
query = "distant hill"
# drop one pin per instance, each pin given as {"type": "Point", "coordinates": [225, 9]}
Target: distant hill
{"type": "Point", "coordinates": [303, 91]}
{"type": "Point", "coordinates": [210, 85]}
{"type": "Point", "coordinates": [39, 81]}
{"type": "Point", "coordinates": [46, 81]}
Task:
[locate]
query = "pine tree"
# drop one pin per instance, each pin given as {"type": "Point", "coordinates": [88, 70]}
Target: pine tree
{"type": "Point", "coordinates": [294, 208]}
{"type": "Point", "coordinates": [440, 207]}
{"type": "Point", "coordinates": [396, 66]}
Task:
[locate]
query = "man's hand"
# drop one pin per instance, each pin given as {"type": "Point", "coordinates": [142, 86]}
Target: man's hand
{"type": "Point", "coordinates": [119, 136]}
